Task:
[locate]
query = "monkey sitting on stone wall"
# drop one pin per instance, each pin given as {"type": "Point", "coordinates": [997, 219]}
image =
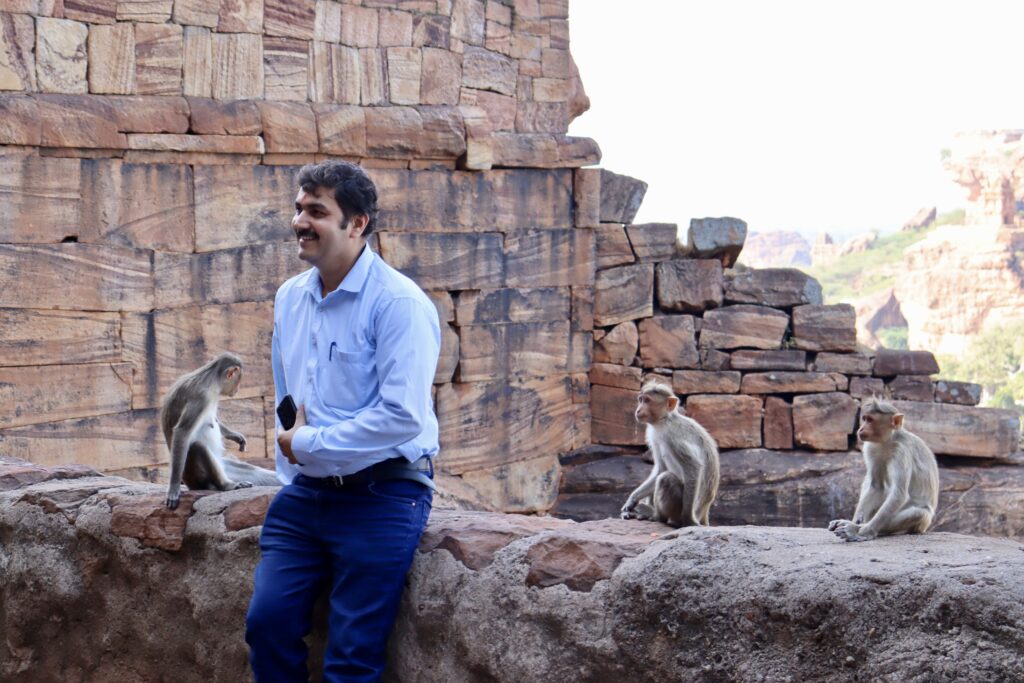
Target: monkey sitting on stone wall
{"type": "Point", "coordinates": [684, 480]}
{"type": "Point", "coordinates": [188, 418]}
{"type": "Point", "coordinates": [901, 486]}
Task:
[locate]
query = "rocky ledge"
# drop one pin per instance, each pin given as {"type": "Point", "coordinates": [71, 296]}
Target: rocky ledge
{"type": "Point", "coordinates": [99, 582]}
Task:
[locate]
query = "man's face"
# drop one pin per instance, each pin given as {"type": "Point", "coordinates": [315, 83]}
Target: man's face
{"type": "Point", "coordinates": [324, 237]}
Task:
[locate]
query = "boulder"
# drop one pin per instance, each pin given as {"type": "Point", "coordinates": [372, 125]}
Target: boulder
{"type": "Point", "coordinates": [621, 197]}
{"type": "Point", "coordinates": [777, 287]}
{"type": "Point", "coordinates": [720, 238]}
{"type": "Point", "coordinates": [653, 241]}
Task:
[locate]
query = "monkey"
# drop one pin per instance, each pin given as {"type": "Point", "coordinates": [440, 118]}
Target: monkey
{"type": "Point", "coordinates": [194, 435]}
{"type": "Point", "coordinates": [684, 480]}
{"type": "Point", "coordinates": [901, 485]}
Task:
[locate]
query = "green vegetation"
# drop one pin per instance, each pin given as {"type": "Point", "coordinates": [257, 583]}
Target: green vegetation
{"type": "Point", "coordinates": [893, 337]}
{"type": "Point", "coordinates": [995, 360]}
{"type": "Point", "coordinates": [856, 275]}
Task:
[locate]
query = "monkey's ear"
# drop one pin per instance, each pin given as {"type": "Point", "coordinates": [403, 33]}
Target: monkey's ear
{"type": "Point", "coordinates": [673, 403]}
{"type": "Point", "coordinates": [897, 421]}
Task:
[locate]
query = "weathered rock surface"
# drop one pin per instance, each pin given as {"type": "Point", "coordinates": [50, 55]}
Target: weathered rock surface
{"type": "Point", "coordinates": [778, 287]}
{"type": "Point", "coordinates": [522, 598]}
{"type": "Point", "coordinates": [720, 238]}
{"type": "Point", "coordinates": [779, 249]}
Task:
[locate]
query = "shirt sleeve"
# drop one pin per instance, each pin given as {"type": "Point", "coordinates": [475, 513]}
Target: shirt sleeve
{"type": "Point", "coordinates": [408, 346]}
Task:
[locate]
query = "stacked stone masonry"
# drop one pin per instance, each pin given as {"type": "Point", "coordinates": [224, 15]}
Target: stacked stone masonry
{"type": "Point", "coordinates": [148, 152]}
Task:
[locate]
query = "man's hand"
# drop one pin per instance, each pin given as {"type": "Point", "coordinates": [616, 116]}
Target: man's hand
{"type": "Point", "coordinates": [284, 439]}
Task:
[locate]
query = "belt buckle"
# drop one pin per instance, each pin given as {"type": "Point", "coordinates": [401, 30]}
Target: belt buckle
{"type": "Point", "coordinates": [336, 481]}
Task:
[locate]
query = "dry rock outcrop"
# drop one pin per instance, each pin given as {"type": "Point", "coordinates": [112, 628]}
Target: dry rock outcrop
{"type": "Point", "coordinates": [495, 597]}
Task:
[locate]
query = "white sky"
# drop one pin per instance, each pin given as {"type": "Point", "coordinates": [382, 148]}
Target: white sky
{"type": "Point", "coordinates": [790, 114]}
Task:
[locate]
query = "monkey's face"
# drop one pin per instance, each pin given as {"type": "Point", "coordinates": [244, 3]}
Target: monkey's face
{"type": "Point", "coordinates": [325, 237]}
{"type": "Point", "coordinates": [876, 427]}
{"type": "Point", "coordinates": [650, 408]}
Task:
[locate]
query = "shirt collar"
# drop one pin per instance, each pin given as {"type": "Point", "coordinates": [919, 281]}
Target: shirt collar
{"type": "Point", "coordinates": [354, 280]}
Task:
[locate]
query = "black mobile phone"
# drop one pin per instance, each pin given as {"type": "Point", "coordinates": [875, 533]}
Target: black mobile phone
{"type": "Point", "coordinates": [286, 412]}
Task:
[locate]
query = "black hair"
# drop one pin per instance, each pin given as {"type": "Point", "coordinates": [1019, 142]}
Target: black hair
{"type": "Point", "coordinates": [353, 190]}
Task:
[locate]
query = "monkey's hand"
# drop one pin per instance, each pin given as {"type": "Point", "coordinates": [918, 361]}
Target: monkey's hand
{"type": "Point", "coordinates": [172, 500]}
{"type": "Point", "coordinates": [847, 530]}
{"type": "Point", "coordinates": [242, 443]}
{"type": "Point", "coordinates": [627, 510]}
{"type": "Point", "coordinates": [242, 485]}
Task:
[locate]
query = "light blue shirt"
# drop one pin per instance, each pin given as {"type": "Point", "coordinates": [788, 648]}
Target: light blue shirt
{"type": "Point", "coordinates": [362, 361]}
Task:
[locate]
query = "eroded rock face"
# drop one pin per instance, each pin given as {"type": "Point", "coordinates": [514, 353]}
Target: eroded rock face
{"type": "Point", "coordinates": [509, 598]}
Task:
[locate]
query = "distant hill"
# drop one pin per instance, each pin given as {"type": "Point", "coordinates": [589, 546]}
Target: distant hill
{"type": "Point", "coordinates": [778, 249]}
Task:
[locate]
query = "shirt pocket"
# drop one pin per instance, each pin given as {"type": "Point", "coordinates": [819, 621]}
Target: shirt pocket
{"type": "Point", "coordinates": [348, 381]}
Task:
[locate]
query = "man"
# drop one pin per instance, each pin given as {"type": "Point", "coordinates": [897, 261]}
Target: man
{"type": "Point", "coordinates": [356, 345]}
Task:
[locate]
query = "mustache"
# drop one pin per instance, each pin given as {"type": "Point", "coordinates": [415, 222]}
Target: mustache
{"type": "Point", "coordinates": [307, 233]}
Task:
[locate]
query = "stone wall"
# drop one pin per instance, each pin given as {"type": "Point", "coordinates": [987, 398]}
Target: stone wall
{"type": "Point", "coordinates": [147, 160]}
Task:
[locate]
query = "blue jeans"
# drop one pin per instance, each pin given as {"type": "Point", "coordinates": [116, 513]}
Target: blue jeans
{"type": "Point", "coordinates": [360, 542]}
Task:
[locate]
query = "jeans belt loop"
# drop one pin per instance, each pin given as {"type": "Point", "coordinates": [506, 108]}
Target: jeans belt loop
{"type": "Point", "coordinates": [336, 480]}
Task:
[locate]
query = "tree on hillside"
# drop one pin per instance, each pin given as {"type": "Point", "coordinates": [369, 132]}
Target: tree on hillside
{"type": "Point", "coordinates": [995, 360]}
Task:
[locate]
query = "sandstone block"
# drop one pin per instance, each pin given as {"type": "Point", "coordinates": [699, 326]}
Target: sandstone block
{"type": "Point", "coordinates": [327, 21]}
{"type": "Point", "coordinates": [867, 387]}
{"type": "Point", "coordinates": [289, 127]}
{"type": "Point", "coordinates": [542, 117]}
{"type": "Point", "coordinates": [446, 261]}
{"type": "Point", "coordinates": [501, 109]}
{"type": "Point", "coordinates": [444, 133]}
{"type": "Point", "coordinates": [623, 293]}
{"type": "Point", "coordinates": [612, 246]}
{"type": "Point", "coordinates": [27, 396]}
{"type": "Point", "coordinates": [92, 11]}
{"type": "Point", "coordinates": [496, 306]}
{"type": "Point", "coordinates": [237, 66]}
{"type": "Point", "coordinates": [240, 16]}
{"type": "Point", "coordinates": [620, 376]}
{"type": "Point", "coordinates": [846, 363]}
{"type": "Point", "coordinates": [41, 201]}
{"type": "Point", "coordinates": [258, 208]}
{"type": "Point", "coordinates": [393, 132]}
{"type": "Point", "coordinates": [468, 21]}
{"type": "Point", "coordinates": [720, 238]}
{"type": "Point", "coordinates": [621, 197]}
{"type": "Point", "coordinates": [733, 421]}
{"type": "Point", "coordinates": [734, 327]}
{"type": "Point", "coordinates": [713, 359]}
{"type": "Point", "coordinates": [653, 241]}
{"type": "Point", "coordinates": [781, 359]}
{"type": "Point", "coordinates": [441, 77]}
{"type": "Point", "coordinates": [149, 11]}
{"type": "Point", "coordinates": [19, 121]}
{"type": "Point", "coordinates": [449, 358]}
{"type": "Point", "coordinates": [587, 197]}
{"type": "Point", "coordinates": [196, 13]}
{"type": "Point", "coordinates": [17, 59]}
{"type": "Point", "coordinates": [962, 393]}
{"type": "Point", "coordinates": [335, 74]}
{"type": "Point", "coordinates": [487, 424]}
{"type": "Point", "coordinates": [689, 286]}
{"type": "Point", "coordinates": [146, 206]}
{"type": "Point", "coordinates": [842, 381]}
{"type": "Point", "coordinates": [825, 328]}
{"type": "Point", "coordinates": [780, 382]}
{"type": "Point", "coordinates": [78, 121]}
{"type": "Point", "coordinates": [668, 341]}
{"type": "Point", "coordinates": [210, 144]}
{"type": "Point", "coordinates": [891, 362]}
{"type": "Point", "coordinates": [38, 337]}
{"type": "Point", "coordinates": [289, 18]}
{"type": "Point", "coordinates": [487, 70]}
{"type": "Point", "coordinates": [613, 421]}
{"type": "Point", "coordinates": [341, 128]}
{"type": "Point", "coordinates": [141, 114]}
{"type": "Point", "coordinates": [619, 345]}
{"type": "Point", "coordinates": [373, 83]}
{"type": "Point", "coordinates": [962, 430]}
{"type": "Point", "coordinates": [824, 421]}
{"type": "Point", "coordinates": [705, 382]}
{"type": "Point", "coordinates": [395, 30]}
{"type": "Point", "coordinates": [778, 423]}
{"type": "Point", "coordinates": [911, 388]}
{"type": "Point", "coordinates": [549, 258]}
{"type": "Point", "coordinates": [285, 68]}
{"type": "Point", "coordinates": [777, 287]}
{"type": "Point", "coordinates": [523, 486]}
{"type": "Point", "coordinates": [513, 350]}
{"type": "Point", "coordinates": [38, 277]}
{"type": "Point", "coordinates": [213, 117]}
{"type": "Point", "coordinates": [159, 55]}
{"type": "Point", "coordinates": [359, 26]}
{"type": "Point", "coordinates": [529, 150]}
{"type": "Point", "coordinates": [431, 30]}
{"type": "Point", "coordinates": [60, 54]}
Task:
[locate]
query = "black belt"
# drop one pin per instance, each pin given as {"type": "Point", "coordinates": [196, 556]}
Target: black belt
{"type": "Point", "coordinates": [421, 471]}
